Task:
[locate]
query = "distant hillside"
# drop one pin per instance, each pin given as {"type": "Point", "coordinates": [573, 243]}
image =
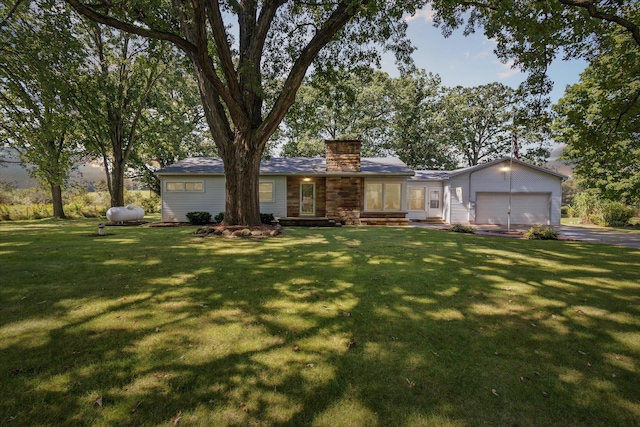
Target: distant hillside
{"type": "Point", "coordinates": [85, 172]}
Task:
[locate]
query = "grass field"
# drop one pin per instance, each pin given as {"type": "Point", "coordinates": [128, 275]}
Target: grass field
{"type": "Point", "coordinates": [335, 327]}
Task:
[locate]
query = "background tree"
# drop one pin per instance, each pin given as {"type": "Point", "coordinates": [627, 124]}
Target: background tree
{"type": "Point", "coordinates": [478, 121]}
{"type": "Point", "coordinates": [599, 120]}
{"type": "Point", "coordinates": [115, 97]}
{"type": "Point", "coordinates": [39, 60]}
{"type": "Point", "coordinates": [343, 105]}
{"type": "Point", "coordinates": [275, 39]}
{"type": "Point", "coordinates": [417, 122]}
{"type": "Point", "coordinates": [175, 127]}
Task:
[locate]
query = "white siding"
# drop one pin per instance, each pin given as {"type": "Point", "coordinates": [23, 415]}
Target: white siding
{"type": "Point", "coordinates": [176, 205]}
{"type": "Point", "coordinates": [279, 205]}
{"type": "Point", "coordinates": [524, 179]}
{"type": "Point", "coordinates": [459, 200]}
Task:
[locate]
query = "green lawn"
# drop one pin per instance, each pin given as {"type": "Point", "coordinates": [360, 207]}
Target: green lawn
{"type": "Point", "coordinates": [335, 327]}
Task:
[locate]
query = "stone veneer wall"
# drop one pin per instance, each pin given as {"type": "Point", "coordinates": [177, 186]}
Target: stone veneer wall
{"type": "Point", "coordinates": [342, 156]}
{"type": "Point", "coordinates": [344, 195]}
{"type": "Point", "coordinates": [293, 196]}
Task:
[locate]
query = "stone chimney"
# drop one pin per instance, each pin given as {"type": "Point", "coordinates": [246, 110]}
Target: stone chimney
{"type": "Point", "coordinates": [343, 156]}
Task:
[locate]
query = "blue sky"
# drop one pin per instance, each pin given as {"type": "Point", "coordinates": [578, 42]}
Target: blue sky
{"type": "Point", "coordinates": [470, 61]}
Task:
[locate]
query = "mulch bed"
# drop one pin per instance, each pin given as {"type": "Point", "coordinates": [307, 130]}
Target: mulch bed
{"type": "Point", "coordinates": [256, 231]}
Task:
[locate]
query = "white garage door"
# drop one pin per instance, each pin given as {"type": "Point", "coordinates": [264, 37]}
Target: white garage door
{"type": "Point", "coordinates": [491, 208]}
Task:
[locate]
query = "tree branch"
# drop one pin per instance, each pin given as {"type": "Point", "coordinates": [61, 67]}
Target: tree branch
{"type": "Point", "coordinates": [222, 47]}
{"type": "Point", "coordinates": [131, 28]}
{"type": "Point", "coordinates": [10, 13]}
{"type": "Point", "coordinates": [342, 14]}
{"type": "Point", "coordinates": [595, 13]}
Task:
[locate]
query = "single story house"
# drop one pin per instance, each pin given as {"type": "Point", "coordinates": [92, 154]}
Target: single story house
{"type": "Point", "coordinates": [354, 190]}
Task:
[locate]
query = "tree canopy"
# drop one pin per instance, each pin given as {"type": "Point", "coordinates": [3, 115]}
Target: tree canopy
{"type": "Point", "coordinates": [38, 62]}
{"type": "Point", "coordinates": [599, 120]}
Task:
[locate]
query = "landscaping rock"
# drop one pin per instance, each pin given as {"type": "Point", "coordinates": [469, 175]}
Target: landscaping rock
{"type": "Point", "coordinates": [256, 233]}
{"type": "Point", "coordinates": [226, 233]}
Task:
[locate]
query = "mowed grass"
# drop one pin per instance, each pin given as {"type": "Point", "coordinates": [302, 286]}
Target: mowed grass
{"type": "Point", "coordinates": [321, 327]}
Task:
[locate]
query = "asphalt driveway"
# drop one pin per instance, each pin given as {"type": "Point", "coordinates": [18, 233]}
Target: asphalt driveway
{"type": "Point", "coordinates": [596, 235]}
{"type": "Point", "coordinates": [566, 232]}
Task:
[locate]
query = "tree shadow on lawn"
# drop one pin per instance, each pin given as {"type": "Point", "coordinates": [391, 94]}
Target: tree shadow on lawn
{"type": "Point", "coordinates": [327, 327]}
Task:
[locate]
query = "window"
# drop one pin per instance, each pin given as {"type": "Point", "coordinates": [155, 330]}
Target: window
{"type": "Point", "coordinates": [194, 186]}
{"type": "Point", "coordinates": [184, 186]}
{"type": "Point", "coordinates": [416, 199]}
{"type": "Point", "coordinates": [392, 197]}
{"type": "Point", "coordinates": [434, 199]}
{"type": "Point", "coordinates": [265, 190]}
{"type": "Point", "coordinates": [373, 197]}
{"type": "Point", "coordinates": [383, 197]}
{"type": "Point", "coordinates": [175, 186]}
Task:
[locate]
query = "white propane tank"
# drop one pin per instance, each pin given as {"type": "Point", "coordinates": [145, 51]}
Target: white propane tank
{"type": "Point", "coordinates": [125, 213]}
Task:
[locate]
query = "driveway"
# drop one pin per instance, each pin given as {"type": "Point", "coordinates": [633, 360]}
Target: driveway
{"type": "Point", "coordinates": [566, 232]}
{"type": "Point", "coordinates": [597, 235]}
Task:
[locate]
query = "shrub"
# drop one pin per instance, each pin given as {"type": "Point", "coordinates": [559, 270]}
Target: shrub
{"type": "Point", "coordinates": [459, 228]}
{"type": "Point", "coordinates": [266, 218]}
{"type": "Point", "coordinates": [219, 217]}
{"type": "Point", "coordinates": [199, 218]}
{"type": "Point", "coordinates": [541, 233]}
{"type": "Point", "coordinates": [614, 214]}
{"type": "Point", "coordinates": [591, 208]}
{"type": "Point", "coordinates": [151, 204]}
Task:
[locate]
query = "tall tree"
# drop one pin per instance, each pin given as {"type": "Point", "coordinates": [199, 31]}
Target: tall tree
{"type": "Point", "coordinates": [275, 38]}
{"type": "Point", "coordinates": [417, 122]}
{"type": "Point", "coordinates": [347, 104]}
{"type": "Point", "coordinates": [115, 97]}
{"type": "Point", "coordinates": [39, 59]}
{"type": "Point", "coordinates": [599, 120]}
{"type": "Point", "coordinates": [478, 121]}
{"type": "Point", "coordinates": [174, 125]}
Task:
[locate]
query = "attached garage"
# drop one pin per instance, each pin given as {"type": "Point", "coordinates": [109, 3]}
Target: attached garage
{"type": "Point", "coordinates": [529, 209]}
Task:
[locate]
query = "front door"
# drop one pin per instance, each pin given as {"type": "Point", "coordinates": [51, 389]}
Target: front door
{"type": "Point", "coordinates": [434, 208]}
{"type": "Point", "coordinates": [307, 199]}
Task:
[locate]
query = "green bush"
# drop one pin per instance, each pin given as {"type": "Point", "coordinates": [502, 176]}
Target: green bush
{"type": "Point", "coordinates": [591, 208]}
{"type": "Point", "coordinates": [151, 204]}
{"type": "Point", "coordinates": [266, 218]}
{"type": "Point", "coordinates": [614, 214]}
{"type": "Point", "coordinates": [199, 218]}
{"type": "Point", "coordinates": [541, 233]}
{"type": "Point", "coordinates": [219, 217]}
{"type": "Point", "coordinates": [459, 228]}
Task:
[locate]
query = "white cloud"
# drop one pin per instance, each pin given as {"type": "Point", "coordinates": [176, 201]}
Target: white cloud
{"type": "Point", "coordinates": [482, 54]}
{"type": "Point", "coordinates": [509, 70]}
{"type": "Point", "coordinates": [467, 54]}
{"type": "Point", "coordinates": [425, 14]}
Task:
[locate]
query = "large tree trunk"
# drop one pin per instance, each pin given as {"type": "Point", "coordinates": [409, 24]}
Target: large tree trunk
{"type": "Point", "coordinates": [116, 189]}
{"type": "Point", "coordinates": [242, 173]}
{"type": "Point", "coordinates": [56, 198]}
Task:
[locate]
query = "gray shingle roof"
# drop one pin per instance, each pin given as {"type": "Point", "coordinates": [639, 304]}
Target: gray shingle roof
{"type": "Point", "coordinates": [430, 175]}
{"type": "Point", "coordinates": [289, 166]}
